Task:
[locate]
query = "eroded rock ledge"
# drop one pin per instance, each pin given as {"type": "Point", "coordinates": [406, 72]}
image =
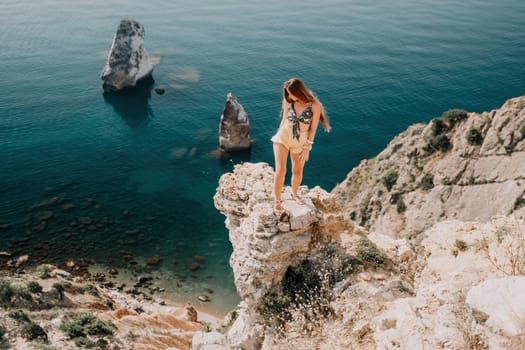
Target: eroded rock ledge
{"type": "Point", "coordinates": [454, 289]}
{"type": "Point", "coordinates": [264, 246]}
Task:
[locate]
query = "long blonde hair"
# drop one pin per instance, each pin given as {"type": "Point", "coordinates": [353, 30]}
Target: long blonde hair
{"type": "Point", "coordinates": [296, 87]}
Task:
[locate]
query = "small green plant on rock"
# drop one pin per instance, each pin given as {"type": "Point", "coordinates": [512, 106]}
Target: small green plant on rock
{"type": "Point", "coordinates": [474, 137]}
{"type": "Point", "coordinates": [401, 207]}
{"type": "Point", "coordinates": [6, 292]}
{"type": "Point", "coordinates": [85, 325]}
{"type": "Point", "coordinates": [22, 292]}
{"type": "Point", "coordinates": [88, 288]}
{"type": "Point", "coordinates": [44, 271]}
{"type": "Point", "coordinates": [427, 182]}
{"type": "Point", "coordinates": [34, 287]}
{"type": "Point", "coordinates": [390, 179]}
{"type": "Point", "coordinates": [453, 116]}
{"type": "Point", "coordinates": [59, 287]}
{"type": "Point", "coordinates": [85, 342]}
{"type": "Point", "coordinates": [19, 316]}
{"type": "Point", "coordinates": [3, 332]}
{"type": "Point", "coordinates": [368, 252]}
{"type": "Point", "coordinates": [519, 202]}
{"type": "Point", "coordinates": [32, 331]}
{"type": "Point", "coordinates": [438, 127]}
{"type": "Point", "coordinates": [441, 143]}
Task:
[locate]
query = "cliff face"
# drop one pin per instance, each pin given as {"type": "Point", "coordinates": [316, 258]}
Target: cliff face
{"type": "Point", "coordinates": [441, 264]}
{"type": "Point", "coordinates": [417, 180]}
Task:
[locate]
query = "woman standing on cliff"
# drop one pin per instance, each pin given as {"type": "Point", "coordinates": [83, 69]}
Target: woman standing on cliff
{"type": "Point", "coordinates": [300, 115]}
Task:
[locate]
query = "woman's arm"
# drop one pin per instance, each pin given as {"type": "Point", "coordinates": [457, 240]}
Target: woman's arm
{"type": "Point", "coordinates": [316, 109]}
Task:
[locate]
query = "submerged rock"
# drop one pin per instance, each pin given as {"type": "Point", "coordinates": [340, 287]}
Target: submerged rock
{"type": "Point", "coordinates": [127, 62]}
{"type": "Point", "coordinates": [234, 128]}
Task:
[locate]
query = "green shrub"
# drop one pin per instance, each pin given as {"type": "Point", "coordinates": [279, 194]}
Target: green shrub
{"type": "Point", "coordinates": [519, 202]}
{"type": "Point", "coordinates": [453, 116]}
{"type": "Point", "coordinates": [6, 292]}
{"type": "Point", "coordinates": [19, 315]}
{"type": "Point", "coordinates": [22, 292]}
{"type": "Point", "coordinates": [367, 251]}
{"type": "Point", "coordinates": [86, 324]}
{"type": "Point", "coordinates": [427, 182]}
{"type": "Point", "coordinates": [88, 288]}
{"type": "Point", "coordinates": [85, 342]}
{"type": "Point", "coordinates": [390, 179]}
{"type": "Point", "coordinates": [306, 291]}
{"type": "Point", "coordinates": [438, 127]}
{"type": "Point", "coordinates": [60, 289]}
{"type": "Point", "coordinates": [32, 331]}
{"type": "Point", "coordinates": [401, 206]}
{"type": "Point", "coordinates": [34, 287]}
{"type": "Point", "coordinates": [474, 137]}
{"type": "Point", "coordinates": [44, 271]}
{"type": "Point", "coordinates": [441, 143]}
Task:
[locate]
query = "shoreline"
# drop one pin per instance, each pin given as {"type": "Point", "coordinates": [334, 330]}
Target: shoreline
{"type": "Point", "coordinates": [49, 297]}
{"type": "Point", "coordinates": [153, 285]}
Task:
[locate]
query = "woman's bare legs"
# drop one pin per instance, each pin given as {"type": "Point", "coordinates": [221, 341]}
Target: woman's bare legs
{"type": "Point", "coordinates": [281, 154]}
{"type": "Point", "coordinates": [297, 175]}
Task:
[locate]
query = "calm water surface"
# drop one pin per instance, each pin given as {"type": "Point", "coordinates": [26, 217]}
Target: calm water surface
{"type": "Point", "coordinates": [140, 166]}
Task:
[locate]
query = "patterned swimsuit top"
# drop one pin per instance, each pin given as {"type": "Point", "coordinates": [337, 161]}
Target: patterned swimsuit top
{"type": "Point", "coordinates": [305, 118]}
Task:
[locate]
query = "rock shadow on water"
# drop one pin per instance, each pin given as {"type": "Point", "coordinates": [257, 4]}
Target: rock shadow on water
{"type": "Point", "coordinates": [132, 104]}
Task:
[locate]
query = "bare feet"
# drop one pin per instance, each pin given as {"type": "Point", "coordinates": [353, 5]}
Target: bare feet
{"type": "Point", "coordinates": [298, 199]}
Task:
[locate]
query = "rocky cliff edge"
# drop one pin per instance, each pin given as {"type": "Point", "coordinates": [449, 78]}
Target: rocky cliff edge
{"type": "Point", "coordinates": [437, 262]}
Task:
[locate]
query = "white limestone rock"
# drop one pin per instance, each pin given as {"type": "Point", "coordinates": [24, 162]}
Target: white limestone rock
{"type": "Point", "coordinates": [208, 341]}
{"type": "Point", "coordinates": [264, 246]}
{"type": "Point", "coordinates": [470, 182]}
{"type": "Point", "coordinates": [128, 61]}
{"type": "Point", "coordinates": [503, 300]}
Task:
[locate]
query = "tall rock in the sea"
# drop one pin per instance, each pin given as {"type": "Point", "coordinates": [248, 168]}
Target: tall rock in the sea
{"type": "Point", "coordinates": [234, 128]}
{"type": "Point", "coordinates": [128, 62]}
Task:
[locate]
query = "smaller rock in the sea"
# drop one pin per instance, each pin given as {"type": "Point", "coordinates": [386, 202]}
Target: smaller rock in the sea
{"type": "Point", "coordinates": [113, 271]}
{"type": "Point", "coordinates": [70, 263]}
{"type": "Point", "coordinates": [153, 261]}
{"type": "Point", "coordinates": [204, 298]}
{"type": "Point", "coordinates": [160, 90]}
{"type": "Point", "coordinates": [234, 127]}
{"type": "Point", "coordinates": [128, 257]}
{"type": "Point", "coordinates": [85, 220]}
{"type": "Point", "coordinates": [40, 227]}
{"type": "Point", "coordinates": [68, 207]}
{"type": "Point", "coordinates": [195, 266]}
{"type": "Point", "coordinates": [48, 202]}
{"type": "Point", "coordinates": [44, 215]}
{"type": "Point", "coordinates": [208, 290]}
{"type": "Point", "coordinates": [4, 253]}
{"type": "Point", "coordinates": [199, 258]}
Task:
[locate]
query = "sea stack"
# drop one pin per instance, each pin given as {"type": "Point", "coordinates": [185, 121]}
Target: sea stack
{"type": "Point", "coordinates": [128, 62]}
{"type": "Point", "coordinates": [234, 128]}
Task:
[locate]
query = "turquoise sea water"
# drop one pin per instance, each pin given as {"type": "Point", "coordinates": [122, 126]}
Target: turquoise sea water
{"type": "Point", "coordinates": [141, 167]}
